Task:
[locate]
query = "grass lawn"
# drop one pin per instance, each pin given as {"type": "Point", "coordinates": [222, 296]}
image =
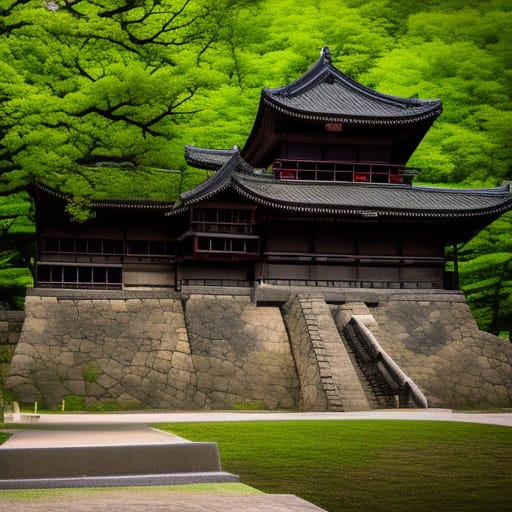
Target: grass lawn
{"type": "Point", "coordinates": [61, 495]}
{"type": "Point", "coordinates": [369, 465]}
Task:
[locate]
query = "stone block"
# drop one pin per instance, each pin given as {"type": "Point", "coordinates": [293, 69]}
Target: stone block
{"type": "Point", "coordinates": [87, 461]}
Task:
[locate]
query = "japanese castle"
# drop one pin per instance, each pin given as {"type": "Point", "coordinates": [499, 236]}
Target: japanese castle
{"type": "Point", "coordinates": [319, 195]}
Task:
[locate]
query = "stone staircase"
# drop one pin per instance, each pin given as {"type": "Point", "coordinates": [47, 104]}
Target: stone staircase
{"type": "Point", "coordinates": [336, 371]}
{"type": "Point", "coordinates": [386, 384]}
{"type": "Point", "coordinates": [340, 363]}
{"type": "Point", "coordinates": [379, 392]}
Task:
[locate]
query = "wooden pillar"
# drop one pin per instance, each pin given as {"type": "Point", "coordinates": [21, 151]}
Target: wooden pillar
{"type": "Point", "coordinates": [455, 266]}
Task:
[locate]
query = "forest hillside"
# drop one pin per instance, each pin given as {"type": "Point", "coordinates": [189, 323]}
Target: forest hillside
{"type": "Point", "coordinates": [130, 82]}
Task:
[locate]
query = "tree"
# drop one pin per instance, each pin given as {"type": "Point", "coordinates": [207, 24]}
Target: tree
{"type": "Point", "coordinates": [486, 276]}
{"type": "Point", "coordinates": [84, 82]}
{"type": "Point", "coordinates": [88, 81]}
{"type": "Point", "coordinates": [100, 81]}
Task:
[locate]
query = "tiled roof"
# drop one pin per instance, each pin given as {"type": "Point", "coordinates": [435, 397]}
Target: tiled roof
{"type": "Point", "coordinates": [344, 198]}
{"type": "Point", "coordinates": [374, 199]}
{"type": "Point", "coordinates": [219, 181]}
{"type": "Point", "coordinates": [145, 204]}
{"type": "Point", "coordinates": [204, 158]}
{"type": "Point", "coordinates": [325, 93]}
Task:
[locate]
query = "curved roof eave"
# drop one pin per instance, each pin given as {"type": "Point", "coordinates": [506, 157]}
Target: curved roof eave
{"type": "Point", "coordinates": [205, 158]}
{"type": "Point", "coordinates": [353, 119]}
{"type": "Point", "coordinates": [324, 91]}
{"type": "Point", "coordinates": [214, 184]}
{"type": "Point", "coordinates": [459, 203]}
{"type": "Point", "coordinates": [110, 203]}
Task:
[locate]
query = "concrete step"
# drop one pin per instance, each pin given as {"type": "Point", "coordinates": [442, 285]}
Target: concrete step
{"type": "Point", "coordinates": [115, 465]}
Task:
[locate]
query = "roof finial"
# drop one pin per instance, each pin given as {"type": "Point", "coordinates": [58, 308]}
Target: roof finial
{"type": "Point", "coordinates": [326, 54]}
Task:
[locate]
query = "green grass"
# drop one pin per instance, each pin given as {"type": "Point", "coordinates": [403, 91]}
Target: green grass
{"type": "Point", "coordinates": [369, 465]}
{"type": "Point", "coordinates": [34, 495]}
{"type": "Point", "coordinates": [3, 436]}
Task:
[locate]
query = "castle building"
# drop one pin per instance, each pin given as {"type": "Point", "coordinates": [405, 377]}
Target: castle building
{"type": "Point", "coordinates": [320, 195]}
{"type": "Point", "coordinates": [307, 272]}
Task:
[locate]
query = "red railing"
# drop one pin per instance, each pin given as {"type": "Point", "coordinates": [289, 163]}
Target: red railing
{"type": "Point", "coordinates": [355, 172]}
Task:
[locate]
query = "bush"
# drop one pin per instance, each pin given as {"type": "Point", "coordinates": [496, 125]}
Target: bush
{"type": "Point", "coordinates": [90, 373]}
{"type": "Point", "coordinates": [74, 403]}
{"type": "Point", "coordinates": [257, 405]}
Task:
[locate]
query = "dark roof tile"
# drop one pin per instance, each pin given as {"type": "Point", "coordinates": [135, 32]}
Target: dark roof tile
{"type": "Point", "coordinates": [385, 199]}
{"type": "Point", "coordinates": [344, 198]}
{"type": "Point", "coordinates": [204, 158]}
{"type": "Point", "coordinates": [325, 93]}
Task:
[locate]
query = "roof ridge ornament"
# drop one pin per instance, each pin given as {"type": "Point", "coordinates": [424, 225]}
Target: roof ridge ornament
{"type": "Point", "coordinates": [326, 54]}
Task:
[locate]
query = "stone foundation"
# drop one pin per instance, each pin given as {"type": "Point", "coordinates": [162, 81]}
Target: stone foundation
{"type": "Point", "coordinates": [437, 340]}
{"type": "Point", "coordinates": [206, 352]}
{"type": "Point", "coordinates": [240, 353]}
{"type": "Point", "coordinates": [11, 323]}
{"type": "Point", "coordinates": [221, 351]}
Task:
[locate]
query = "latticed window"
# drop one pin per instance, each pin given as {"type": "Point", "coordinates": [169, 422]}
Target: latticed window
{"type": "Point", "coordinates": [222, 220]}
{"type": "Point", "coordinates": [76, 276]}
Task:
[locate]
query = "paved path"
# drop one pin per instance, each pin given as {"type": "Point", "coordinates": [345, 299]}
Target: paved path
{"type": "Point", "coordinates": [134, 428]}
{"type": "Point", "coordinates": [156, 500]}
{"type": "Point", "coordinates": [76, 434]}
{"type": "Point", "coordinates": [68, 420]}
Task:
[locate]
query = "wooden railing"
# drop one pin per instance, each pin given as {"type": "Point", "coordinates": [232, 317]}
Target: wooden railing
{"type": "Point", "coordinates": [351, 258]}
{"type": "Point", "coordinates": [355, 172]}
{"type": "Point", "coordinates": [356, 283]}
{"type": "Point", "coordinates": [79, 285]}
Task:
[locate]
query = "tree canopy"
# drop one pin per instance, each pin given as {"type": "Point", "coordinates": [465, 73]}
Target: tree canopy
{"type": "Point", "coordinates": [130, 82]}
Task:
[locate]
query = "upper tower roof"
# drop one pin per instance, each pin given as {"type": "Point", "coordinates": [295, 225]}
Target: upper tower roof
{"type": "Point", "coordinates": [325, 93]}
{"type": "Point", "coordinates": [325, 101]}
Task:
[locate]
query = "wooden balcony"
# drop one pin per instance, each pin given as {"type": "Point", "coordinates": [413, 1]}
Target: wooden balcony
{"type": "Point", "coordinates": [352, 172]}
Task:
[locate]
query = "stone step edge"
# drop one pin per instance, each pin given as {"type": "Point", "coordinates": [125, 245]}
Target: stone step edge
{"type": "Point", "coordinates": [121, 480]}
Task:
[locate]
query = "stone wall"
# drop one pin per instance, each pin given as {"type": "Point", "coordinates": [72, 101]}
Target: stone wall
{"type": "Point", "coordinates": [240, 353]}
{"type": "Point", "coordinates": [156, 349]}
{"type": "Point", "coordinates": [134, 351]}
{"type": "Point", "coordinates": [434, 338]}
{"type": "Point", "coordinates": [11, 323]}
{"type": "Point", "coordinates": [306, 353]}
{"type": "Point", "coordinates": [437, 340]}
{"type": "Point", "coordinates": [144, 350]}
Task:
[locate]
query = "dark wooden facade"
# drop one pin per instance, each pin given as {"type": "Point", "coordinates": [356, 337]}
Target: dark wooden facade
{"type": "Point", "coordinates": [319, 195]}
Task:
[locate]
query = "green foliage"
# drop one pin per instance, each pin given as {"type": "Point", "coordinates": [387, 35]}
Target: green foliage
{"type": "Point", "coordinates": [90, 372]}
{"type": "Point", "coordinates": [486, 275]}
{"type": "Point", "coordinates": [368, 465]}
{"type": "Point", "coordinates": [6, 352]}
{"type": "Point", "coordinates": [74, 403]}
{"type": "Point", "coordinates": [258, 405]}
{"type": "Point", "coordinates": [94, 82]}
{"type": "Point", "coordinates": [113, 405]}
{"type": "Point", "coordinates": [131, 183]}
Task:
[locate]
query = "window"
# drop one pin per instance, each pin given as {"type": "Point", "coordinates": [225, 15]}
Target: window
{"type": "Point", "coordinates": [227, 245]}
{"type": "Point", "coordinates": [222, 220]}
{"type": "Point", "coordinates": [64, 276]}
{"type": "Point", "coordinates": [82, 246]}
{"type": "Point", "coordinates": [150, 248]}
